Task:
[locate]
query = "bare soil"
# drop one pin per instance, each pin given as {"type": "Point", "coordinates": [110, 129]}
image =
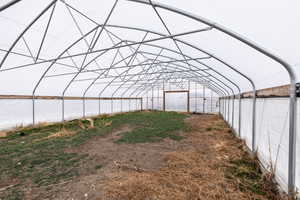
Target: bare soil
{"type": "Point", "coordinates": [191, 169]}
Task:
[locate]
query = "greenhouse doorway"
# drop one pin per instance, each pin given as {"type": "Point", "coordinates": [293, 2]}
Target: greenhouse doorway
{"type": "Point", "coordinates": [175, 99]}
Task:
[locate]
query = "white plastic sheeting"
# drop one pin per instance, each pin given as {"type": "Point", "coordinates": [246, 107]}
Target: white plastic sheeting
{"type": "Point", "coordinates": [19, 112]}
{"type": "Point", "coordinates": [272, 134]}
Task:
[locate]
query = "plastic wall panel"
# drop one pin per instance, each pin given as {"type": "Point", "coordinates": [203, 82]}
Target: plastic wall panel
{"type": "Point", "coordinates": [91, 107]}
{"type": "Point", "coordinates": [73, 109]}
{"type": "Point", "coordinates": [272, 136]}
{"type": "Point", "coordinates": [230, 112]}
{"type": "Point", "coordinates": [47, 110]}
{"type": "Point", "coordinates": [246, 126]}
{"type": "Point", "coordinates": [272, 120]}
{"type": "Point", "coordinates": [236, 116]}
{"type": "Point", "coordinates": [15, 113]}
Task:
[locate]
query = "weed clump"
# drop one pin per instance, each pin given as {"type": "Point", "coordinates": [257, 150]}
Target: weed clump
{"type": "Point", "coordinates": [246, 173]}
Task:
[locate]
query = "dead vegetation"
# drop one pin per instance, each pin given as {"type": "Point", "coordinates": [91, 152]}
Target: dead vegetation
{"type": "Point", "coordinates": [3, 134]}
{"type": "Point", "coordinates": [214, 165]}
{"type": "Point", "coordinates": [174, 157]}
{"type": "Point", "coordinates": [62, 133]}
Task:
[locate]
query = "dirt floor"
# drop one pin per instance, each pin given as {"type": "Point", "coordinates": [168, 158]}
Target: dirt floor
{"type": "Point", "coordinates": [209, 163]}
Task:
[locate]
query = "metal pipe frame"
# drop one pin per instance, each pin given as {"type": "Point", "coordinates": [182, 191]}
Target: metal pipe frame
{"type": "Point", "coordinates": [199, 77]}
{"type": "Point", "coordinates": [9, 4]}
{"type": "Point", "coordinates": [214, 77]}
{"type": "Point", "coordinates": [155, 39]}
{"type": "Point", "coordinates": [167, 78]}
{"type": "Point", "coordinates": [216, 58]}
{"type": "Point", "coordinates": [140, 90]}
{"type": "Point", "coordinates": [103, 27]}
{"type": "Point", "coordinates": [220, 92]}
{"type": "Point", "coordinates": [211, 25]}
{"type": "Point", "coordinates": [26, 29]}
{"type": "Point", "coordinates": [139, 76]}
{"type": "Point", "coordinates": [186, 60]}
{"type": "Point", "coordinates": [203, 65]}
{"type": "Point", "coordinates": [212, 82]}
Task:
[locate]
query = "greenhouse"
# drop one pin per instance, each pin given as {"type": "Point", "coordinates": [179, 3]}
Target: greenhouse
{"type": "Point", "coordinates": [83, 80]}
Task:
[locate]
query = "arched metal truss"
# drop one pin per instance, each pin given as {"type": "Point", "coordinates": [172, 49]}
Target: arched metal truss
{"type": "Point", "coordinates": [144, 69]}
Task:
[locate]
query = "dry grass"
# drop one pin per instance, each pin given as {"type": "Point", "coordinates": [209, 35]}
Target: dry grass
{"type": "Point", "coordinates": [182, 178]}
{"type": "Point", "coordinates": [107, 124]}
{"type": "Point", "coordinates": [21, 127]}
{"type": "Point", "coordinates": [81, 125]}
{"type": "Point", "coordinates": [205, 170]}
{"type": "Point", "coordinates": [92, 123]}
{"type": "Point", "coordinates": [62, 133]}
{"type": "Point", "coordinates": [3, 134]}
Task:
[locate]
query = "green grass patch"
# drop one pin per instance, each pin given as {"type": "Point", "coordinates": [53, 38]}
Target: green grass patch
{"type": "Point", "coordinates": [151, 126]}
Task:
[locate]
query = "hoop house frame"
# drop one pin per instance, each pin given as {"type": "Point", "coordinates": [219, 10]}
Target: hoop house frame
{"type": "Point", "coordinates": [157, 68]}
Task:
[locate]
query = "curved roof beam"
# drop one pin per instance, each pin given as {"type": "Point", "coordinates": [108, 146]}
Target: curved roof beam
{"type": "Point", "coordinates": [214, 77]}
{"type": "Point", "coordinates": [202, 76]}
{"type": "Point", "coordinates": [92, 45]}
{"type": "Point", "coordinates": [9, 4]}
{"type": "Point", "coordinates": [145, 90]}
{"type": "Point", "coordinates": [207, 74]}
{"type": "Point", "coordinates": [138, 74]}
{"type": "Point", "coordinates": [53, 61]}
{"type": "Point", "coordinates": [218, 91]}
{"type": "Point", "coordinates": [124, 83]}
{"type": "Point", "coordinates": [197, 73]}
{"type": "Point", "coordinates": [144, 71]}
{"type": "Point", "coordinates": [175, 40]}
{"type": "Point", "coordinates": [221, 61]}
{"type": "Point", "coordinates": [239, 124]}
{"type": "Point", "coordinates": [211, 85]}
{"type": "Point", "coordinates": [60, 56]}
{"type": "Point", "coordinates": [135, 82]}
{"type": "Point", "coordinates": [185, 56]}
{"type": "Point", "coordinates": [167, 78]}
{"type": "Point", "coordinates": [132, 58]}
{"type": "Point", "coordinates": [209, 67]}
{"type": "Point", "coordinates": [190, 45]}
{"type": "Point", "coordinates": [26, 29]}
